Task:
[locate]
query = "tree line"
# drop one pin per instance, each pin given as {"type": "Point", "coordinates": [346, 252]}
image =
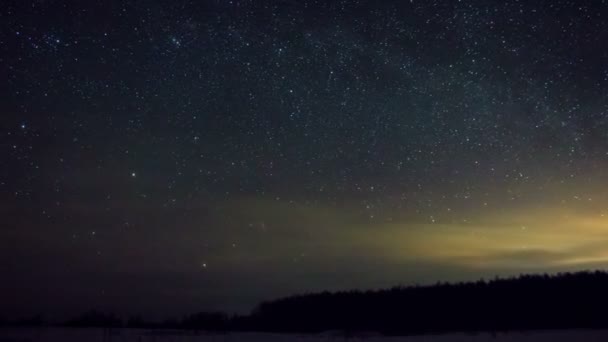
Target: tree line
{"type": "Point", "coordinates": [565, 300]}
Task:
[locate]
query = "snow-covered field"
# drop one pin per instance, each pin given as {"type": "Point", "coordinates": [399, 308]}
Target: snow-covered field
{"type": "Point", "coordinates": [135, 335]}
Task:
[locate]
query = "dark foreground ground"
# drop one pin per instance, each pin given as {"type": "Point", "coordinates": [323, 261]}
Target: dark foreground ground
{"type": "Point", "coordinates": [141, 335]}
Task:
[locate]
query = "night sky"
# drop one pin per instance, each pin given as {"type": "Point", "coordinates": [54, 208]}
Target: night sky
{"type": "Point", "coordinates": [163, 157]}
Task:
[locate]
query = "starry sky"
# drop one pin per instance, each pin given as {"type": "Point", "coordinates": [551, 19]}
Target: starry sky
{"type": "Point", "coordinates": [163, 157]}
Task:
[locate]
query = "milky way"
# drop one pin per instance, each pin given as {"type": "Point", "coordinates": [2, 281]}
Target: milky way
{"type": "Point", "coordinates": [160, 157]}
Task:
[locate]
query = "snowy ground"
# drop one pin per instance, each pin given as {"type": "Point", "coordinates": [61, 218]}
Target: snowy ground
{"type": "Point", "coordinates": [134, 335]}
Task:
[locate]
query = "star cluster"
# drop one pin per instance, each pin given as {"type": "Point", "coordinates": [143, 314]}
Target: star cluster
{"type": "Point", "coordinates": [213, 153]}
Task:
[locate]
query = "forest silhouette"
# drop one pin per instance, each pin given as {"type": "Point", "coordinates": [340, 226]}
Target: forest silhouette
{"type": "Point", "coordinates": [527, 302]}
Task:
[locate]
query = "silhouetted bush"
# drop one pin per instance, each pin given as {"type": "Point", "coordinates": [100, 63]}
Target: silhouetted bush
{"type": "Point", "coordinates": [210, 321]}
{"type": "Point", "coordinates": [95, 319]}
{"type": "Point", "coordinates": [137, 322]}
{"type": "Point", "coordinates": [33, 321]}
